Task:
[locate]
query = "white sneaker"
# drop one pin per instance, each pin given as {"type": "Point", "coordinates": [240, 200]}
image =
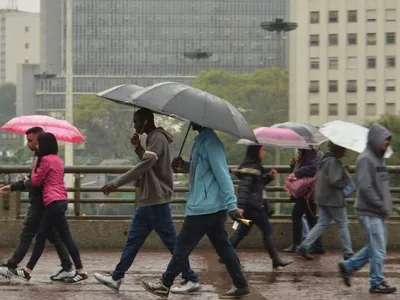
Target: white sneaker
{"type": "Point", "coordinates": [62, 274]}
{"type": "Point", "coordinates": [186, 287]}
{"type": "Point", "coordinates": [5, 272]}
{"type": "Point", "coordinates": [108, 281]}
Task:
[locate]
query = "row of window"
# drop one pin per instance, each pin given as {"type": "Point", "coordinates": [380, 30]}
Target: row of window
{"type": "Point", "coordinates": [352, 16]}
{"type": "Point", "coordinates": [351, 109]}
{"type": "Point", "coordinates": [351, 86]}
{"type": "Point", "coordinates": [333, 39]}
{"type": "Point", "coordinates": [390, 62]}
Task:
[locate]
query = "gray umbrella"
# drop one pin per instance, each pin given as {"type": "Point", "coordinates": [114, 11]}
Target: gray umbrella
{"type": "Point", "coordinates": [308, 132]}
{"type": "Point", "coordinates": [120, 94]}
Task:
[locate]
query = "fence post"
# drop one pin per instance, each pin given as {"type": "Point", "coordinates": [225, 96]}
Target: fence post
{"type": "Point", "coordinates": [8, 202]}
{"type": "Point", "coordinates": [77, 194]}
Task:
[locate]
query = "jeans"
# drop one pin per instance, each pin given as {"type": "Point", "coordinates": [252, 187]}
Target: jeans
{"type": "Point", "coordinates": [145, 220]}
{"type": "Point", "coordinates": [193, 230]}
{"type": "Point", "coordinates": [374, 252]}
{"type": "Point", "coordinates": [305, 230]}
{"type": "Point", "coordinates": [326, 214]}
{"type": "Point", "coordinates": [30, 228]}
{"type": "Point", "coordinates": [54, 217]}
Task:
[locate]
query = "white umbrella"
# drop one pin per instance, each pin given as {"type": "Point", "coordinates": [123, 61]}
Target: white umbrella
{"type": "Point", "coordinates": [348, 135]}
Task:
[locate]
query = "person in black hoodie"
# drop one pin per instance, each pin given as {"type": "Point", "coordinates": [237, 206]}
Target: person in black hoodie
{"type": "Point", "coordinates": [251, 203]}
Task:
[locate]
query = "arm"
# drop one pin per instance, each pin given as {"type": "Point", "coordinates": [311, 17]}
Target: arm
{"type": "Point", "coordinates": [336, 175]}
{"type": "Point", "coordinates": [244, 191]}
{"type": "Point", "coordinates": [140, 152]}
{"type": "Point", "coordinates": [219, 166]}
{"type": "Point", "coordinates": [39, 175]}
{"type": "Point", "coordinates": [18, 186]}
{"type": "Point", "coordinates": [364, 182]}
{"type": "Point", "coordinates": [307, 170]}
{"type": "Point", "coordinates": [267, 178]}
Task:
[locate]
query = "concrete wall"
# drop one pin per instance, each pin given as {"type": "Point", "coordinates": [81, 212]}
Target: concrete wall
{"type": "Point", "coordinates": [26, 89]}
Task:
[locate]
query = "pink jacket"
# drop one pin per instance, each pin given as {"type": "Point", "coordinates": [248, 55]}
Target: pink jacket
{"type": "Point", "coordinates": [50, 175]}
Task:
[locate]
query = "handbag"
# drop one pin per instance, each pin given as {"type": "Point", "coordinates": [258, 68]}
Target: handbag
{"type": "Point", "coordinates": [303, 187]}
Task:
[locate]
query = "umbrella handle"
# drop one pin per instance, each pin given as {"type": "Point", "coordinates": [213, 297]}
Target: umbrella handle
{"type": "Point", "coordinates": [184, 140]}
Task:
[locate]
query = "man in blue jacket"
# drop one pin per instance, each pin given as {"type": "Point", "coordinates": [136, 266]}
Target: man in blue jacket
{"type": "Point", "coordinates": [211, 196]}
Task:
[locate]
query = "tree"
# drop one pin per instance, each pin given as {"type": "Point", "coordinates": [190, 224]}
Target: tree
{"type": "Point", "coordinates": [8, 97]}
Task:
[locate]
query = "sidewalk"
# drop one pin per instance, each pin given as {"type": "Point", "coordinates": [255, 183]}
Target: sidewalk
{"type": "Point", "coordinates": [302, 280]}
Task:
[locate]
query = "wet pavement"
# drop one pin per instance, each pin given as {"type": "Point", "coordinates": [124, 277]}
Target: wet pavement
{"type": "Point", "coordinates": [317, 279]}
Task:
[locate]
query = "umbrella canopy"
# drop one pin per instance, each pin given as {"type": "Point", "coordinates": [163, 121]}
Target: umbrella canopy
{"type": "Point", "coordinates": [348, 135]}
{"type": "Point", "coordinates": [309, 132]}
{"type": "Point", "coordinates": [120, 94]}
{"type": "Point", "coordinates": [62, 130]}
{"type": "Point", "coordinates": [277, 137]}
{"type": "Point", "coordinates": [182, 101]}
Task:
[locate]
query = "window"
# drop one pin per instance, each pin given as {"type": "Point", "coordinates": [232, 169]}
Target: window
{"type": "Point", "coordinates": [351, 16]}
{"type": "Point", "coordinates": [26, 28]}
{"type": "Point", "coordinates": [390, 108]}
{"type": "Point", "coordinates": [351, 62]}
{"type": "Point", "coordinates": [333, 16]}
{"type": "Point", "coordinates": [371, 15]}
{"type": "Point", "coordinates": [390, 61]}
{"type": "Point", "coordinates": [332, 86]}
{"type": "Point", "coordinates": [332, 109]}
{"type": "Point", "coordinates": [314, 109]}
{"type": "Point", "coordinates": [352, 39]}
{"type": "Point", "coordinates": [333, 63]}
{"type": "Point", "coordinates": [26, 45]}
{"type": "Point", "coordinates": [371, 85]}
{"type": "Point", "coordinates": [351, 86]}
{"type": "Point", "coordinates": [352, 109]}
{"type": "Point", "coordinates": [371, 109]}
{"type": "Point", "coordinates": [314, 17]}
{"type": "Point", "coordinates": [371, 39]}
{"type": "Point", "coordinates": [371, 62]}
{"type": "Point", "coordinates": [390, 14]}
{"type": "Point", "coordinates": [314, 63]}
{"type": "Point", "coordinates": [390, 85]}
{"type": "Point", "coordinates": [314, 40]}
{"type": "Point", "coordinates": [390, 38]}
{"type": "Point", "coordinates": [333, 40]}
{"type": "Point", "coordinates": [314, 86]}
{"type": "Point", "coordinates": [27, 61]}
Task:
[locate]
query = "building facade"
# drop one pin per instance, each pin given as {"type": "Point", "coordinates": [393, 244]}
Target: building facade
{"type": "Point", "coordinates": [343, 60]}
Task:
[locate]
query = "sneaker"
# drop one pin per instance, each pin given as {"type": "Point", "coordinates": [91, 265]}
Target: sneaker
{"type": "Point", "coordinates": [63, 274]}
{"type": "Point", "coordinates": [186, 286]}
{"type": "Point", "coordinates": [291, 249]}
{"type": "Point", "coordinates": [156, 288]}
{"type": "Point", "coordinates": [382, 288]}
{"type": "Point", "coordinates": [108, 281]}
{"type": "Point", "coordinates": [5, 272]}
{"type": "Point", "coordinates": [303, 252]}
{"type": "Point", "coordinates": [20, 273]}
{"type": "Point", "coordinates": [77, 278]}
{"type": "Point", "coordinates": [344, 274]}
{"type": "Point", "coordinates": [235, 293]}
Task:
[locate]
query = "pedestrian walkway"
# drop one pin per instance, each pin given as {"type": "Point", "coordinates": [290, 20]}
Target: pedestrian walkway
{"type": "Point", "coordinates": [302, 280]}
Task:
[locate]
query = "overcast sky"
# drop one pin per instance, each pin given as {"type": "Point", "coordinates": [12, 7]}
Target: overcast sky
{"type": "Point", "coordinates": [25, 5]}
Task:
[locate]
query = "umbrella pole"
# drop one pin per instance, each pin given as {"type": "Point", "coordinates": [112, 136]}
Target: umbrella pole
{"type": "Point", "coordinates": [184, 140]}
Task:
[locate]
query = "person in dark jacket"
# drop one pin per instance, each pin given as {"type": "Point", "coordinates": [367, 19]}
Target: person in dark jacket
{"type": "Point", "coordinates": [329, 196]}
{"type": "Point", "coordinates": [306, 165]}
{"type": "Point", "coordinates": [32, 221]}
{"type": "Point", "coordinates": [251, 203]}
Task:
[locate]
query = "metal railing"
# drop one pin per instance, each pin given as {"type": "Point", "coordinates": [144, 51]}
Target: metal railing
{"type": "Point", "coordinates": [78, 189]}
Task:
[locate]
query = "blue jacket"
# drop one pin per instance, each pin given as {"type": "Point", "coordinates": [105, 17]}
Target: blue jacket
{"type": "Point", "coordinates": [211, 187]}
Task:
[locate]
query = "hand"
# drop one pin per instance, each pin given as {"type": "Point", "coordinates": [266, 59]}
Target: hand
{"type": "Point", "coordinates": [108, 188]}
{"type": "Point", "coordinates": [5, 189]}
{"type": "Point", "coordinates": [177, 163]}
{"type": "Point", "coordinates": [235, 215]}
{"type": "Point", "coordinates": [273, 173]}
{"type": "Point", "coordinates": [347, 168]}
{"type": "Point", "coordinates": [292, 161]}
{"type": "Point", "coordinates": [135, 140]}
{"type": "Point", "coordinates": [292, 176]}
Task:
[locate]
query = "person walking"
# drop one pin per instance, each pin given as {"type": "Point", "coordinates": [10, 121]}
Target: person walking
{"type": "Point", "coordinates": [154, 212]}
{"type": "Point", "coordinates": [330, 198]}
{"type": "Point", "coordinates": [373, 206]}
{"type": "Point", "coordinates": [32, 221]}
{"type": "Point", "coordinates": [49, 173]}
{"type": "Point", "coordinates": [211, 197]}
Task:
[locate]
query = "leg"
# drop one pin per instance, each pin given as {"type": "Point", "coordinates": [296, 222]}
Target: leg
{"type": "Point", "coordinates": [61, 250]}
{"type": "Point", "coordinates": [238, 235]}
{"type": "Point", "coordinates": [306, 228]}
{"type": "Point", "coordinates": [297, 225]}
{"type": "Point", "coordinates": [311, 215]}
{"type": "Point", "coordinates": [339, 215]}
{"type": "Point", "coordinates": [318, 229]}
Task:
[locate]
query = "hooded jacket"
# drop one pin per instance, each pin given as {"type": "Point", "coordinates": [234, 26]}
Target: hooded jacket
{"type": "Point", "coordinates": [373, 194]}
{"type": "Point", "coordinates": [331, 181]}
{"type": "Point", "coordinates": [154, 168]}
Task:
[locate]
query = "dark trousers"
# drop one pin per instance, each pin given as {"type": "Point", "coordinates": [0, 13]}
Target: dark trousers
{"type": "Point", "coordinates": [145, 220]}
{"type": "Point", "coordinates": [30, 228]}
{"type": "Point", "coordinates": [301, 207]}
{"type": "Point", "coordinates": [193, 229]}
{"type": "Point", "coordinates": [54, 219]}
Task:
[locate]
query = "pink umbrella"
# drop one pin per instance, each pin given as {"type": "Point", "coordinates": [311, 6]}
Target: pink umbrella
{"type": "Point", "coordinates": [277, 137]}
{"type": "Point", "coordinates": [62, 130]}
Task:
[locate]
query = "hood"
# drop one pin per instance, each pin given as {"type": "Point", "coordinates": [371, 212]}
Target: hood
{"type": "Point", "coordinates": [327, 156]}
{"type": "Point", "coordinates": [376, 135]}
{"type": "Point", "coordinates": [247, 169]}
{"type": "Point", "coordinates": [164, 132]}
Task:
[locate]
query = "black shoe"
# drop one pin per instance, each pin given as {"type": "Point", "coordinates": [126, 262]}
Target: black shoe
{"type": "Point", "coordinates": [235, 293]}
{"type": "Point", "coordinates": [220, 260]}
{"type": "Point", "coordinates": [20, 273]}
{"type": "Point", "coordinates": [77, 278]}
{"type": "Point", "coordinates": [347, 256]}
{"type": "Point", "coordinates": [291, 249]}
{"type": "Point", "coordinates": [280, 263]}
{"type": "Point", "coordinates": [303, 252]}
{"type": "Point", "coordinates": [382, 288]}
{"type": "Point", "coordinates": [156, 288]}
{"type": "Point", "coordinates": [317, 251]}
{"type": "Point", "coordinates": [62, 274]}
{"type": "Point", "coordinates": [344, 274]}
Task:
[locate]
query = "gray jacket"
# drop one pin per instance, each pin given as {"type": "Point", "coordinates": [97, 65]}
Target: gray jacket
{"type": "Point", "coordinates": [373, 194]}
{"type": "Point", "coordinates": [331, 181]}
{"type": "Point", "coordinates": [157, 183]}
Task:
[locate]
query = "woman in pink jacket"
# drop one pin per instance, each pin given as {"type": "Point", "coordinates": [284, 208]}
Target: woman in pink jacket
{"type": "Point", "coordinates": [49, 173]}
